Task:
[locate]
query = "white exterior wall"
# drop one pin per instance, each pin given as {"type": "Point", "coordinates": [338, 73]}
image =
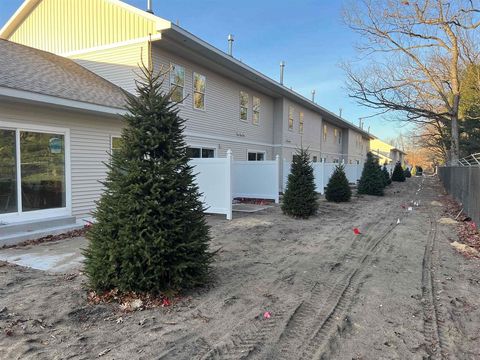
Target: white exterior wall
{"type": "Point", "coordinates": [219, 124]}
{"type": "Point", "coordinates": [118, 65]}
{"type": "Point", "coordinates": [90, 139]}
{"type": "Point", "coordinates": [332, 149]}
{"type": "Point", "coordinates": [293, 139]}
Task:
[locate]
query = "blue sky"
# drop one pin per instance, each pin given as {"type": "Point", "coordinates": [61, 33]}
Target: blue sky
{"type": "Point", "coordinates": [308, 34]}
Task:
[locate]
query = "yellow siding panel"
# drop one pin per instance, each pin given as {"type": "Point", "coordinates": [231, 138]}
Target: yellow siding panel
{"type": "Point", "coordinates": [62, 26]}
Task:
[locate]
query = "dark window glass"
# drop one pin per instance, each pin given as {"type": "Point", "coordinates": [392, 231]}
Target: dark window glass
{"type": "Point", "coordinates": [193, 153]}
{"type": "Point", "coordinates": [43, 170]}
{"type": "Point", "coordinates": [8, 172]}
{"type": "Point", "coordinates": [208, 153]}
{"type": "Point", "coordinates": [252, 156]}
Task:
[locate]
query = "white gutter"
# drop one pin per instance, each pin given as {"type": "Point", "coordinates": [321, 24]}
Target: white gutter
{"type": "Point", "coordinates": [53, 100]}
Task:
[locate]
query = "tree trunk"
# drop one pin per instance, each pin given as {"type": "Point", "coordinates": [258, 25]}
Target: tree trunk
{"type": "Point", "coordinates": [454, 148]}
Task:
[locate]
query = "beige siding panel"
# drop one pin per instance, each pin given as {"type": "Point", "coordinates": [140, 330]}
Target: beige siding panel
{"type": "Point", "coordinates": [62, 26]}
{"type": "Point", "coordinates": [119, 65]}
{"type": "Point", "coordinates": [221, 116]}
{"type": "Point", "coordinates": [89, 146]}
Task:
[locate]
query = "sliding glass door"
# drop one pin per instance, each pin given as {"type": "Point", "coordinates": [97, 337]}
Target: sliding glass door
{"type": "Point", "coordinates": [32, 171]}
{"type": "Point", "coordinates": [8, 172]}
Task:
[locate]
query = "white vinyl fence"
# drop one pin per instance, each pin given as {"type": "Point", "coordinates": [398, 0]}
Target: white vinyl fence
{"type": "Point", "coordinates": [220, 180]}
{"type": "Point", "coordinates": [323, 171]}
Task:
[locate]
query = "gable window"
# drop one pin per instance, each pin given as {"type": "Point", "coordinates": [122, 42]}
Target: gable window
{"type": "Point", "coordinates": [290, 118]}
{"type": "Point", "coordinates": [199, 152]}
{"type": "Point", "coordinates": [256, 111]}
{"type": "Point", "coordinates": [256, 156]}
{"type": "Point", "coordinates": [243, 106]}
{"type": "Point", "coordinates": [339, 136]}
{"type": "Point", "coordinates": [115, 144]}
{"type": "Point", "coordinates": [199, 84]}
{"type": "Point", "coordinates": [300, 126]}
{"type": "Point", "coordinates": [177, 83]}
{"type": "Point", "coordinates": [324, 132]}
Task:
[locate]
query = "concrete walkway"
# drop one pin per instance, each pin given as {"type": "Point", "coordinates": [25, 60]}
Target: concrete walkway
{"type": "Point", "coordinates": [61, 256]}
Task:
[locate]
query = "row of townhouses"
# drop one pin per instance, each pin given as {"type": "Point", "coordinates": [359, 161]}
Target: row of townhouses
{"type": "Point", "coordinates": [65, 65]}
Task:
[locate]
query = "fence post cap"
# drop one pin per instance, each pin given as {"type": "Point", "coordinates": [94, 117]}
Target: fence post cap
{"type": "Point", "coordinates": [229, 153]}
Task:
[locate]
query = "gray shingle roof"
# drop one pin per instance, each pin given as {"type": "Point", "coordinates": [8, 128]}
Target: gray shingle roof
{"type": "Point", "coordinates": [29, 69]}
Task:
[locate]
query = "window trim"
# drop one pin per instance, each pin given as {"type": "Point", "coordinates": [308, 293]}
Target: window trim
{"type": "Point", "coordinates": [19, 215]}
{"type": "Point", "coordinates": [172, 65]}
{"type": "Point", "coordinates": [112, 136]}
{"type": "Point", "coordinates": [240, 104]}
{"type": "Point", "coordinates": [301, 122]}
{"type": "Point", "coordinates": [291, 111]}
{"type": "Point", "coordinates": [204, 94]}
{"type": "Point", "coordinates": [253, 110]}
{"type": "Point", "coordinates": [204, 146]}
{"type": "Point", "coordinates": [254, 151]}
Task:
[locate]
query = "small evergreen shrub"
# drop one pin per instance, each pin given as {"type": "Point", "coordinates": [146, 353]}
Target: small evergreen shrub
{"type": "Point", "coordinates": [408, 174]}
{"type": "Point", "coordinates": [150, 233]}
{"type": "Point", "coordinates": [338, 188]}
{"type": "Point", "coordinates": [372, 180]}
{"type": "Point", "coordinates": [398, 173]}
{"type": "Point", "coordinates": [300, 198]}
{"type": "Point", "coordinates": [386, 175]}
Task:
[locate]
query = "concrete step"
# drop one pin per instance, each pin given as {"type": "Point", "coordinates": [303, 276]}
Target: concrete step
{"type": "Point", "coordinates": [34, 225]}
{"type": "Point", "coordinates": [15, 233]}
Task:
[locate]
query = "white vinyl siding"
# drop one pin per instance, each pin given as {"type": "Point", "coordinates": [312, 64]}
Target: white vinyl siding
{"type": "Point", "coordinates": [220, 122]}
{"type": "Point", "coordinates": [90, 143]}
{"type": "Point", "coordinates": [118, 65]}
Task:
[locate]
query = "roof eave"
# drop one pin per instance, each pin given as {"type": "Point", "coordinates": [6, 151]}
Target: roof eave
{"type": "Point", "coordinates": [237, 66]}
{"type": "Point", "coordinates": [37, 98]}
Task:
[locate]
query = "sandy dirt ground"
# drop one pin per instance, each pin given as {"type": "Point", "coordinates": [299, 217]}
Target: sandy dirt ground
{"type": "Point", "coordinates": [397, 291]}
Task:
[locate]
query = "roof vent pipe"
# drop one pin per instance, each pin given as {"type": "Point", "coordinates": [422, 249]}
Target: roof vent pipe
{"type": "Point", "coordinates": [149, 6]}
{"type": "Point", "coordinates": [282, 67]}
{"type": "Point", "coordinates": [313, 95]}
{"type": "Point", "coordinates": [230, 44]}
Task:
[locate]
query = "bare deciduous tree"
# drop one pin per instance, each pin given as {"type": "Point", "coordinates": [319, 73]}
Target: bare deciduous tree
{"type": "Point", "coordinates": [416, 52]}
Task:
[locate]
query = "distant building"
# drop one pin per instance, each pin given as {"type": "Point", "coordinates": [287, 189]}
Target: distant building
{"type": "Point", "coordinates": [386, 153]}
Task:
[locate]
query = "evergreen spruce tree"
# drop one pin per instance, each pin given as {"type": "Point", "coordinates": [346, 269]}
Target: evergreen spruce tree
{"type": "Point", "coordinates": [398, 173]}
{"type": "Point", "coordinates": [386, 175]}
{"type": "Point", "coordinates": [300, 198]}
{"type": "Point", "coordinates": [150, 233]}
{"type": "Point", "coordinates": [408, 174]}
{"type": "Point", "coordinates": [338, 188]}
{"type": "Point", "coordinates": [372, 180]}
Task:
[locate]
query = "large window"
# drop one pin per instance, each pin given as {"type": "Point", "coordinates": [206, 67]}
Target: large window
{"type": "Point", "coordinates": [199, 85]}
{"type": "Point", "coordinates": [177, 83]}
{"type": "Point", "coordinates": [243, 106]}
{"type": "Point", "coordinates": [300, 125]}
{"type": "Point", "coordinates": [40, 183]}
{"type": "Point", "coordinates": [256, 156]}
{"type": "Point", "coordinates": [290, 117]}
{"type": "Point", "coordinates": [8, 172]}
{"type": "Point", "coordinates": [198, 152]}
{"type": "Point", "coordinates": [256, 111]}
{"type": "Point", "coordinates": [42, 170]}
